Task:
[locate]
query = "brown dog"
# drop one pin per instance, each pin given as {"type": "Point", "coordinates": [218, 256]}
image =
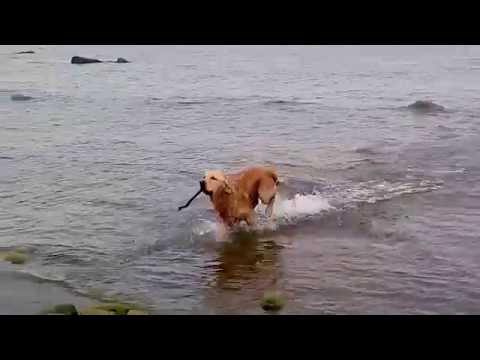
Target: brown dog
{"type": "Point", "coordinates": [235, 196]}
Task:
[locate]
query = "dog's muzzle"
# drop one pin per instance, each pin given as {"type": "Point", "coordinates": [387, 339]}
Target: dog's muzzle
{"type": "Point", "coordinates": [203, 187]}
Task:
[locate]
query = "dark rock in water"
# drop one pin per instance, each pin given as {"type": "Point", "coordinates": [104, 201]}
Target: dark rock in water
{"type": "Point", "coordinates": [20, 97]}
{"type": "Point", "coordinates": [137, 312]}
{"type": "Point", "coordinates": [83, 60]}
{"type": "Point", "coordinates": [425, 106]}
{"type": "Point", "coordinates": [25, 52]}
{"type": "Point", "coordinates": [65, 309]}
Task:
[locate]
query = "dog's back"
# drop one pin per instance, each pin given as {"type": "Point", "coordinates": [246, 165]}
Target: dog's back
{"type": "Point", "coordinates": [260, 183]}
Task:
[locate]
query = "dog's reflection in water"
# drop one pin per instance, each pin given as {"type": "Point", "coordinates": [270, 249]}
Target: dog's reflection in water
{"type": "Point", "coordinates": [246, 267]}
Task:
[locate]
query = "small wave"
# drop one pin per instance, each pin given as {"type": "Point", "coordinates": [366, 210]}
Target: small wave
{"type": "Point", "coordinates": [172, 102]}
{"type": "Point", "coordinates": [457, 171]}
{"type": "Point", "coordinates": [198, 102]}
{"type": "Point", "coordinates": [120, 142]}
{"type": "Point", "coordinates": [287, 102]}
{"type": "Point", "coordinates": [365, 150]}
{"type": "Point", "coordinates": [445, 128]}
{"type": "Point", "coordinates": [372, 191]}
{"type": "Point", "coordinates": [47, 276]}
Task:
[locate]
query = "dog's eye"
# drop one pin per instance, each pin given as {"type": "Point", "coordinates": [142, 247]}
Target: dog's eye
{"type": "Point", "coordinates": [213, 178]}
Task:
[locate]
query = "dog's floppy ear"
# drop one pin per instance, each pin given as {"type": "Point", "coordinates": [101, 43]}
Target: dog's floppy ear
{"type": "Point", "coordinates": [217, 175]}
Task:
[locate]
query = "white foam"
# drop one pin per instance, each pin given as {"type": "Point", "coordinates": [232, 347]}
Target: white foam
{"type": "Point", "coordinates": [204, 226]}
{"type": "Point", "coordinates": [300, 206]}
{"type": "Point", "coordinates": [204, 230]}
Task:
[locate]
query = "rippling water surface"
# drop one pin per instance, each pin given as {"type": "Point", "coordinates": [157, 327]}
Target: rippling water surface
{"type": "Point", "coordinates": [379, 212]}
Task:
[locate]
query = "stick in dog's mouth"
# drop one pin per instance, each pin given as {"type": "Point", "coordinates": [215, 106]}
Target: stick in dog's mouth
{"type": "Point", "coordinates": [201, 190]}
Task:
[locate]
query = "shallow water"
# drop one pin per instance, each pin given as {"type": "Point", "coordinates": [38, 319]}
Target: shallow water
{"type": "Point", "coordinates": [378, 214]}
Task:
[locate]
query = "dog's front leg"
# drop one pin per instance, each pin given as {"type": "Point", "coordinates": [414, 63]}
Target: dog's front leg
{"type": "Point", "coordinates": [222, 231]}
{"type": "Point", "coordinates": [269, 209]}
{"type": "Point", "coordinates": [251, 219]}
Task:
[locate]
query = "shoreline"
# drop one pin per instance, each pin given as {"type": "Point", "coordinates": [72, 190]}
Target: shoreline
{"type": "Point", "coordinates": [25, 294]}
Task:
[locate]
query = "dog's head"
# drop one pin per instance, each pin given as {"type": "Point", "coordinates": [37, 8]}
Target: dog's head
{"type": "Point", "coordinates": [215, 180]}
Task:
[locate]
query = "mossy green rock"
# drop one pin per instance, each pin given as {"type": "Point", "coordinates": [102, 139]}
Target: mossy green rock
{"type": "Point", "coordinates": [63, 309]}
{"type": "Point", "coordinates": [272, 302]}
{"type": "Point", "coordinates": [16, 258]}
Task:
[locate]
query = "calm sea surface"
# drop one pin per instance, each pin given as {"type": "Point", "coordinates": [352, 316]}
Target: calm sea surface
{"type": "Point", "coordinates": [379, 212]}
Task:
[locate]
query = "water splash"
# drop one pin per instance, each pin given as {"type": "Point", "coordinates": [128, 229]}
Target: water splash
{"type": "Point", "coordinates": [300, 206]}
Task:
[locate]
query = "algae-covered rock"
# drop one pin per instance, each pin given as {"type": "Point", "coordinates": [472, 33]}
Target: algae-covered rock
{"type": "Point", "coordinates": [15, 257]}
{"type": "Point", "coordinates": [272, 301]}
{"type": "Point", "coordinates": [116, 308]}
{"type": "Point", "coordinates": [137, 312]}
{"type": "Point", "coordinates": [65, 309]}
{"type": "Point", "coordinates": [113, 309]}
{"type": "Point", "coordinates": [95, 311]}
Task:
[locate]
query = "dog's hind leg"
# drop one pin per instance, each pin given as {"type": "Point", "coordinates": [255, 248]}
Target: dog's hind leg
{"type": "Point", "coordinates": [251, 219]}
{"type": "Point", "coordinates": [269, 209]}
{"type": "Point", "coordinates": [267, 191]}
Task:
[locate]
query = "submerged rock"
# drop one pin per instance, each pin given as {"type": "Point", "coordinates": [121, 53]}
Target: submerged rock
{"type": "Point", "coordinates": [122, 60]}
{"type": "Point", "coordinates": [113, 309]}
{"type": "Point", "coordinates": [137, 312]}
{"type": "Point", "coordinates": [425, 106]}
{"type": "Point", "coordinates": [117, 309]}
{"type": "Point", "coordinates": [272, 301]}
{"type": "Point", "coordinates": [15, 257]}
{"type": "Point", "coordinates": [83, 60]}
{"type": "Point", "coordinates": [20, 97]}
{"type": "Point", "coordinates": [95, 311]}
